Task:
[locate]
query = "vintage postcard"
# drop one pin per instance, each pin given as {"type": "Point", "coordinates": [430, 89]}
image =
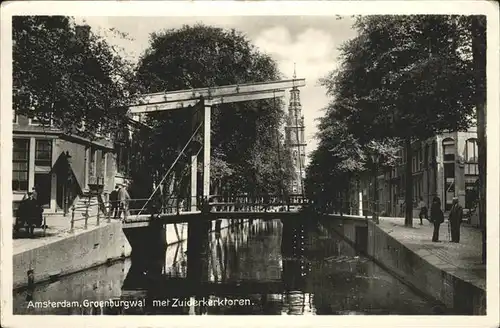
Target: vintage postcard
{"type": "Point", "coordinates": [163, 161]}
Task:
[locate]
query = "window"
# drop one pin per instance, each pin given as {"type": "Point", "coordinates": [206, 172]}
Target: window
{"type": "Point", "coordinates": [471, 194]}
{"type": "Point", "coordinates": [449, 171]}
{"type": "Point", "coordinates": [449, 150]}
{"type": "Point", "coordinates": [471, 151]}
{"type": "Point", "coordinates": [92, 167]}
{"type": "Point", "coordinates": [20, 156]}
{"type": "Point", "coordinates": [426, 156]}
{"type": "Point", "coordinates": [421, 159]}
{"type": "Point", "coordinates": [471, 165]}
{"type": "Point", "coordinates": [471, 169]}
{"type": "Point", "coordinates": [43, 153]}
{"type": "Point", "coordinates": [123, 158]}
{"type": "Point", "coordinates": [433, 152]}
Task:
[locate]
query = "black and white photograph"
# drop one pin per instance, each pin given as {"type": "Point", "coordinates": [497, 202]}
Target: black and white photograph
{"type": "Point", "coordinates": [220, 159]}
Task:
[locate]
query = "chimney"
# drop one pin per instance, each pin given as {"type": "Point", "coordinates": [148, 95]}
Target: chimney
{"type": "Point", "coordinates": [82, 33]}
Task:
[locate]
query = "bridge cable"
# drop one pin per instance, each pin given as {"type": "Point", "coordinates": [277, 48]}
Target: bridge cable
{"type": "Point", "coordinates": [177, 186]}
{"type": "Point", "coordinates": [171, 167]}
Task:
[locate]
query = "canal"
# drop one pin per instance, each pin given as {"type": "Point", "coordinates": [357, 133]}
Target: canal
{"type": "Point", "coordinates": [259, 267]}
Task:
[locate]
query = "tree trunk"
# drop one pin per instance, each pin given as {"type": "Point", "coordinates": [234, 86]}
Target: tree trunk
{"type": "Point", "coordinates": [479, 55]}
{"type": "Point", "coordinates": [375, 194]}
{"type": "Point", "coordinates": [408, 185]}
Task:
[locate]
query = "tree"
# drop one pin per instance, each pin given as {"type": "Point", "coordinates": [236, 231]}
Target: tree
{"type": "Point", "coordinates": [404, 78]}
{"type": "Point", "coordinates": [341, 156]}
{"type": "Point", "coordinates": [76, 80]}
{"type": "Point", "coordinates": [245, 136]}
{"type": "Point", "coordinates": [478, 33]}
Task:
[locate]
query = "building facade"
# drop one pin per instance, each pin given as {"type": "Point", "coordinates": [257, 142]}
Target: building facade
{"type": "Point", "coordinates": [295, 141]}
{"type": "Point", "coordinates": [445, 166]}
{"type": "Point", "coordinates": [62, 168]}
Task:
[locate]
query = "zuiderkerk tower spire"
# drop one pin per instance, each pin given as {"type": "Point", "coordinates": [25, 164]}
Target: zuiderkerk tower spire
{"type": "Point", "coordinates": [295, 141]}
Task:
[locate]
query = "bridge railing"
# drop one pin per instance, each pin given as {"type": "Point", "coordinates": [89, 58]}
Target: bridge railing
{"type": "Point", "coordinates": [256, 203]}
{"type": "Point", "coordinates": [216, 203]}
{"type": "Point", "coordinates": [94, 213]}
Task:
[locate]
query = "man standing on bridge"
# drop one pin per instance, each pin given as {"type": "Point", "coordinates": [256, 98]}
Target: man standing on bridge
{"type": "Point", "coordinates": [123, 198]}
{"type": "Point", "coordinates": [113, 202]}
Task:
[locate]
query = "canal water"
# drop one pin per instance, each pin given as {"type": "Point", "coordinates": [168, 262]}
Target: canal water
{"type": "Point", "coordinates": [259, 267]}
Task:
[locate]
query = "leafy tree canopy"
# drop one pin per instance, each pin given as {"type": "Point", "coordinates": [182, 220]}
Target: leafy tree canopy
{"type": "Point", "coordinates": [404, 77]}
{"type": "Point", "coordinates": [65, 77]}
{"type": "Point", "coordinates": [246, 138]}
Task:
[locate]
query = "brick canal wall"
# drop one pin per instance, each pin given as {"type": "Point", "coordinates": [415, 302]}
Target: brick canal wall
{"type": "Point", "coordinates": [460, 296]}
{"type": "Point", "coordinates": [83, 250]}
{"type": "Point", "coordinates": [77, 252]}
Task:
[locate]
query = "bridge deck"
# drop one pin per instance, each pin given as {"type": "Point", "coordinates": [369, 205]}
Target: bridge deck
{"type": "Point", "coordinates": [135, 221]}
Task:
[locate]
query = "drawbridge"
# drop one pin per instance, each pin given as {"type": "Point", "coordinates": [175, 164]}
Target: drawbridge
{"type": "Point", "coordinates": [175, 209]}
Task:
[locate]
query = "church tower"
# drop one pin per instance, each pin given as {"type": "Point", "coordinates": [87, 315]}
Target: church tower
{"type": "Point", "coordinates": [295, 142]}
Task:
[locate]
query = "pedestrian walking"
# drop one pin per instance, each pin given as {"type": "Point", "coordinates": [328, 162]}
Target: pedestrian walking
{"type": "Point", "coordinates": [455, 219]}
{"type": "Point", "coordinates": [402, 208]}
{"type": "Point", "coordinates": [113, 202]}
{"type": "Point", "coordinates": [437, 217]}
{"type": "Point", "coordinates": [123, 199]}
{"type": "Point", "coordinates": [423, 210]}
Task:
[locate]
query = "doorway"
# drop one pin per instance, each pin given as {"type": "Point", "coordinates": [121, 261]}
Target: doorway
{"type": "Point", "coordinates": [43, 188]}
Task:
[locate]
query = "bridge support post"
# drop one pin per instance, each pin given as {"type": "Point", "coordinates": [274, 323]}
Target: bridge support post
{"type": "Point", "coordinates": [360, 197]}
{"type": "Point", "coordinates": [197, 249]}
{"type": "Point", "coordinates": [207, 110]}
{"type": "Point", "coordinates": [194, 181]}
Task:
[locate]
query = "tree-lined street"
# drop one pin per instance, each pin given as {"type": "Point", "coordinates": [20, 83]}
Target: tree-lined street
{"type": "Point", "coordinates": [402, 80]}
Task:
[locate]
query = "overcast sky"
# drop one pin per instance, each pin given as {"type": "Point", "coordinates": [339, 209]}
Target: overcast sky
{"type": "Point", "coordinates": [309, 41]}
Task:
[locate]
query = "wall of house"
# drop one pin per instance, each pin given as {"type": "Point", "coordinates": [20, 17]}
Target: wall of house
{"type": "Point", "coordinates": [80, 161]}
{"type": "Point", "coordinates": [78, 158]}
{"type": "Point", "coordinates": [33, 169]}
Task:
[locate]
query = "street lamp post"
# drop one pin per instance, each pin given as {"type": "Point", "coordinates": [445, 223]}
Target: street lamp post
{"type": "Point", "coordinates": [375, 160]}
{"type": "Point", "coordinates": [67, 183]}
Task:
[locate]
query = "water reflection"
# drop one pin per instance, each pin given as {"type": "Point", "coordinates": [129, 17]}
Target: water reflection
{"type": "Point", "coordinates": [254, 267]}
{"type": "Point", "coordinates": [290, 267]}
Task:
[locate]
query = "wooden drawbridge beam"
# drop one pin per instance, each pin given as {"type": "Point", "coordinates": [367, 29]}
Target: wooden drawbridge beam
{"type": "Point", "coordinates": [184, 98]}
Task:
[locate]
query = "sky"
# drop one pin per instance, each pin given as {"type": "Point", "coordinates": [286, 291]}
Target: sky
{"type": "Point", "coordinates": [311, 42]}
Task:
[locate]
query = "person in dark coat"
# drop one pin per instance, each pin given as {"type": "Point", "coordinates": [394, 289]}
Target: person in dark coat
{"type": "Point", "coordinates": [30, 214]}
{"type": "Point", "coordinates": [113, 201]}
{"type": "Point", "coordinates": [455, 220]}
{"type": "Point", "coordinates": [437, 217]}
